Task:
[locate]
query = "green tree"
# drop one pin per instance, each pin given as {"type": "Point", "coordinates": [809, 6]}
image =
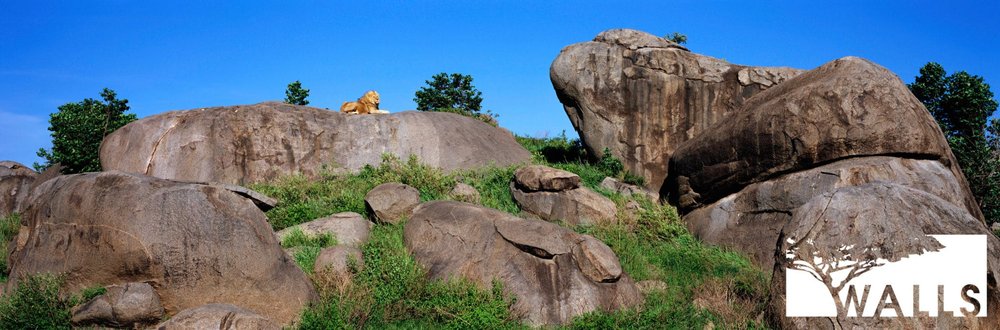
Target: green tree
{"type": "Point", "coordinates": [677, 37]}
{"type": "Point", "coordinates": [453, 93]}
{"type": "Point", "coordinates": [78, 129]}
{"type": "Point", "coordinates": [962, 103]}
{"type": "Point", "coordinates": [295, 94]}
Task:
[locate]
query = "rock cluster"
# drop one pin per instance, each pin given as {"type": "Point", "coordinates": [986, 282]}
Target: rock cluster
{"type": "Point", "coordinates": [842, 155]}
{"type": "Point", "coordinates": [556, 195]}
{"type": "Point", "coordinates": [641, 96]}
{"type": "Point", "coordinates": [554, 273]}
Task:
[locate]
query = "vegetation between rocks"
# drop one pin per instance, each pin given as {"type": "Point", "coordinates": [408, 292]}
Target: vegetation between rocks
{"type": "Point", "coordinates": [701, 285]}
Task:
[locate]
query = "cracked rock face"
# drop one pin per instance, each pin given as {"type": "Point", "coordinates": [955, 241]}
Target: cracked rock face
{"type": "Point", "coordinates": [641, 95]}
{"type": "Point", "coordinates": [554, 273]}
{"type": "Point", "coordinates": [15, 186]}
{"type": "Point", "coordinates": [840, 155]}
{"type": "Point", "coordinates": [195, 244]}
{"type": "Point", "coordinates": [252, 143]}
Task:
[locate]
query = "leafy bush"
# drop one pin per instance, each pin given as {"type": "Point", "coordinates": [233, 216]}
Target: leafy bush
{"type": "Point", "coordinates": [557, 149]}
{"type": "Point", "coordinates": [78, 129]}
{"type": "Point", "coordinates": [35, 304]}
{"type": "Point", "coordinates": [9, 226]}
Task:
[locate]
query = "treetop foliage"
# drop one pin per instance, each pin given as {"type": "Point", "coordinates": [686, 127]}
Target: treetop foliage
{"type": "Point", "coordinates": [78, 130]}
{"type": "Point", "coordinates": [295, 94]}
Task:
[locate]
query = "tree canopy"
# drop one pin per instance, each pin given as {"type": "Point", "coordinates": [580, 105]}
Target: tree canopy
{"type": "Point", "coordinates": [962, 104]}
{"type": "Point", "coordinates": [78, 129]}
{"type": "Point", "coordinates": [295, 94]}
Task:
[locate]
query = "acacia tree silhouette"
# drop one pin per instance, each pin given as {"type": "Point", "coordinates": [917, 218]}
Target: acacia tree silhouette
{"type": "Point", "coordinates": [829, 240]}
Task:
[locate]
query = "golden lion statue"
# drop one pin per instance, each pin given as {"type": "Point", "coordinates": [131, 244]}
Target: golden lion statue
{"type": "Point", "coordinates": [366, 104]}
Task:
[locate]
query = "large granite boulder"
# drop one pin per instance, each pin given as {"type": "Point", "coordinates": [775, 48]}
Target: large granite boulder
{"type": "Point", "coordinates": [15, 186]}
{"type": "Point", "coordinates": [554, 273]}
{"type": "Point", "coordinates": [252, 143]}
{"type": "Point", "coordinates": [195, 244]}
{"type": "Point", "coordinates": [842, 155]}
{"type": "Point", "coordinates": [641, 96]}
{"type": "Point", "coordinates": [392, 202]}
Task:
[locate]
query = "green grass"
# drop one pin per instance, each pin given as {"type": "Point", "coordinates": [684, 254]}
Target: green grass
{"type": "Point", "coordinates": [37, 303]}
{"type": "Point", "coordinates": [393, 292]}
{"type": "Point", "coordinates": [307, 247]}
{"type": "Point", "coordinates": [9, 226]}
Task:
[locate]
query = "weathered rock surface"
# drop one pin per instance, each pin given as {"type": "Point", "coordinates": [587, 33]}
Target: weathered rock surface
{"type": "Point", "coordinates": [15, 186]}
{"type": "Point", "coordinates": [337, 259]}
{"type": "Point", "coordinates": [849, 107]}
{"type": "Point", "coordinates": [641, 96]}
{"type": "Point", "coordinates": [842, 155]}
{"type": "Point", "coordinates": [895, 225]}
{"type": "Point", "coordinates": [554, 195]}
{"type": "Point", "coordinates": [626, 189]}
{"type": "Point", "coordinates": [130, 305]}
{"type": "Point", "coordinates": [220, 317]}
{"type": "Point", "coordinates": [392, 202]}
{"type": "Point", "coordinates": [580, 206]}
{"type": "Point", "coordinates": [554, 273]}
{"type": "Point", "coordinates": [195, 244]}
{"type": "Point", "coordinates": [348, 228]}
{"type": "Point", "coordinates": [544, 178]}
{"type": "Point", "coordinates": [464, 193]}
{"type": "Point", "coordinates": [252, 143]}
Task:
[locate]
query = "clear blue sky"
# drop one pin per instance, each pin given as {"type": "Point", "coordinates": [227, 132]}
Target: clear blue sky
{"type": "Point", "coordinates": [187, 54]}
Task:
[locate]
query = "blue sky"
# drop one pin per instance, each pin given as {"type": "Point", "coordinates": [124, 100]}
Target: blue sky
{"type": "Point", "coordinates": [187, 54]}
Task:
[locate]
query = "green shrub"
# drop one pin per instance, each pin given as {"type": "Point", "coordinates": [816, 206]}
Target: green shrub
{"type": "Point", "coordinates": [35, 304]}
{"type": "Point", "coordinates": [557, 149]}
{"type": "Point", "coordinates": [9, 226]}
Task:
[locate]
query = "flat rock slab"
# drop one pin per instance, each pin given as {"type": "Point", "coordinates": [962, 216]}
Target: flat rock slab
{"type": "Point", "coordinates": [543, 178]}
{"type": "Point", "coordinates": [580, 206]}
{"type": "Point", "coordinates": [259, 142]}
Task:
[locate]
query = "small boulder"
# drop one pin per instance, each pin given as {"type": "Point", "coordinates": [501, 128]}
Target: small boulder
{"type": "Point", "coordinates": [543, 178]}
{"type": "Point", "coordinates": [348, 228]}
{"type": "Point", "coordinates": [580, 206]}
{"type": "Point", "coordinates": [130, 305]}
{"type": "Point", "coordinates": [392, 202]}
{"type": "Point", "coordinates": [218, 316]}
{"type": "Point", "coordinates": [337, 259]}
{"type": "Point", "coordinates": [15, 186]}
{"type": "Point", "coordinates": [626, 189]}
{"type": "Point", "coordinates": [464, 193]}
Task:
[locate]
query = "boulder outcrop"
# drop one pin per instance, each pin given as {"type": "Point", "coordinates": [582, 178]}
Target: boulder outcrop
{"type": "Point", "coordinates": [840, 156]}
{"type": "Point", "coordinates": [556, 195]}
{"type": "Point", "coordinates": [641, 96]}
{"type": "Point", "coordinates": [554, 273]}
{"type": "Point", "coordinates": [195, 244]}
{"type": "Point", "coordinates": [349, 228]}
{"type": "Point", "coordinates": [392, 202]}
{"type": "Point", "coordinates": [252, 143]}
{"type": "Point", "coordinates": [15, 186]}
